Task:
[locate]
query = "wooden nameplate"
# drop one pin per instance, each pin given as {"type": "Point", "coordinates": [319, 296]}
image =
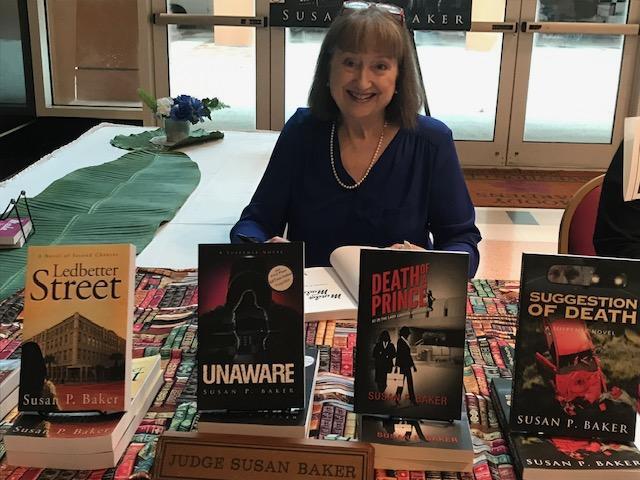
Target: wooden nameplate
{"type": "Point", "coordinates": [195, 456]}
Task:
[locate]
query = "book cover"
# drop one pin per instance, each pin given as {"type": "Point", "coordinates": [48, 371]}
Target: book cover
{"type": "Point", "coordinates": [410, 341]}
{"type": "Point", "coordinates": [542, 457]}
{"type": "Point", "coordinates": [288, 423]}
{"type": "Point", "coordinates": [82, 432]}
{"type": "Point", "coordinates": [78, 317]}
{"type": "Point", "coordinates": [577, 343]}
{"type": "Point", "coordinates": [11, 232]}
{"type": "Point", "coordinates": [250, 327]}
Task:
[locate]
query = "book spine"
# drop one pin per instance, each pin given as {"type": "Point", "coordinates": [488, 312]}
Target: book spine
{"type": "Point", "coordinates": [339, 421]}
{"type": "Point", "coordinates": [329, 333]}
{"type": "Point", "coordinates": [336, 361]}
{"type": "Point", "coordinates": [125, 468]}
{"type": "Point", "coordinates": [326, 420]}
{"type": "Point", "coordinates": [312, 329]}
{"type": "Point", "coordinates": [322, 327]}
{"type": "Point", "coordinates": [346, 363]}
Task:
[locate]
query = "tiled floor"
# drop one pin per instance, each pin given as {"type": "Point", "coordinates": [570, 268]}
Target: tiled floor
{"type": "Point", "coordinates": [507, 233]}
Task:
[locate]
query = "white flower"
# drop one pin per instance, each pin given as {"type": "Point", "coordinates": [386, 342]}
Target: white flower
{"type": "Point", "coordinates": [164, 106]}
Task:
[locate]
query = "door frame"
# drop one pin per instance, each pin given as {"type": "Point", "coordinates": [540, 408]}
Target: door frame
{"type": "Point", "coordinates": [560, 155]}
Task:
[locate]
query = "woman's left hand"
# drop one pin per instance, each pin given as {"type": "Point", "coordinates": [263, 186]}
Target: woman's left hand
{"type": "Point", "coordinates": [406, 246]}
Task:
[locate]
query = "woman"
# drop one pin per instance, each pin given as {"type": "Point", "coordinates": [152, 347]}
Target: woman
{"type": "Point", "coordinates": [383, 355]}
{"type": "Point", "coordinates": [360, 166]}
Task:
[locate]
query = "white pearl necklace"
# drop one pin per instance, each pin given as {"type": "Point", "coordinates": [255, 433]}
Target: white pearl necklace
{"type": "Point", "coordinates": [373, 159]}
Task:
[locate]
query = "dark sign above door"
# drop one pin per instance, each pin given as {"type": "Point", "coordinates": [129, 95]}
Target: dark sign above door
{"type": "Point", "coordinates": [419, 14]}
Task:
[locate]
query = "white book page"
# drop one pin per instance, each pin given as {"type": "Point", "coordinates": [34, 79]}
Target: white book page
{"type": "Point", "coordinates": [346, 261]}
{"type": "Point", "coordinates": [324, 293]}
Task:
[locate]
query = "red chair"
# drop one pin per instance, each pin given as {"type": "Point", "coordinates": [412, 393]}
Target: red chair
{"type": "Point", "coordinates": [579, 219]}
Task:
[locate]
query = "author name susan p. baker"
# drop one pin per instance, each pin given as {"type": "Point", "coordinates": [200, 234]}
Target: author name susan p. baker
{"type": "Point", "coordinates": [590, 425]}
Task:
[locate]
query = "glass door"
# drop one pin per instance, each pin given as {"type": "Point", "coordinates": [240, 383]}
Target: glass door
{"type": "Point", "coordinates": [572, 87]}
{"type": "Point", "coordinates": [216, 48]}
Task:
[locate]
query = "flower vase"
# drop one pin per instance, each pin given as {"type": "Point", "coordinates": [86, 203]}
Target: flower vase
{"type": "Point", "coordinates": [176, 130]}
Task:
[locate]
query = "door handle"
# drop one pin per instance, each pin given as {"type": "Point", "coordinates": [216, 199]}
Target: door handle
{"type": "Point", "coordinates": [208, 20]}
{"type": "Point", "coordinates": [499, 27]}
{"type": "Point", "coordinates": [582, 27]}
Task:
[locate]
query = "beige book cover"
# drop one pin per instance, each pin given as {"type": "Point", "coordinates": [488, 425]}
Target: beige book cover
{"type": "Point", "coordinates": [77, 330]}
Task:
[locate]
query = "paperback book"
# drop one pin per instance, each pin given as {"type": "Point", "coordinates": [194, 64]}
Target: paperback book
{"type": "Point", "coordinates": [577, 347]}
{"type": "Point", "coordinates": [432, 444]}
{"type": "Point", "coordinates": [250, 327]}
{"type": "Point", "coordinates": [9, 375]}
{"type": "Point", "coordinates": [82, 433]}
{"type": "Point", "coordinates": [270, 423]}
{"type": "Point", "coordinates": [410, 340]}
{"type": "Point", "coordinates": [77, 330]}
{"type": "Point", "coordinates": [541, 457]}
{"type": "Point", "coordinates": [13, 232]}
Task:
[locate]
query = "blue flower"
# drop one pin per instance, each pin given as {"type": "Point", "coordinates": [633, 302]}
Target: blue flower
{"type": "Point", "coordinates": [186, 107]}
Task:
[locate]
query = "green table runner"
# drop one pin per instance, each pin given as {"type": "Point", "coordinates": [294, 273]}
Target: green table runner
{"type": "Point", "coordinates": [142, 140]}
{"type": "Point", "coordinates": [123, 201]}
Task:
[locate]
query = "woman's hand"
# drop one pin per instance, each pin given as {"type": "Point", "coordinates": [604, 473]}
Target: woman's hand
{"type": "Point", "coordinates": [406, 246]}
{"type": "Point", "coordinates": [277, 240]}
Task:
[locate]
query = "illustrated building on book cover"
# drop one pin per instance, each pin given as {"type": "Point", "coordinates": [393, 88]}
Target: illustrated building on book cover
{"type": "Point", "coordinates": [77, 328]}
{"type": "Point", "coordinates": [410, 342]}
{"type": "Point", "coordinates": [250, 327]}
{"type": "Point", "coordinates": [548, 458]}
{"type": "Point", "coordinates": [578, 340]}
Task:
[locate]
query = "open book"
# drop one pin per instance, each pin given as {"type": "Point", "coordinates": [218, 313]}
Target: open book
{"type": "Point", "coordinates": [631, 170]}
{"type": "Point", "coordinates": [331, 293]}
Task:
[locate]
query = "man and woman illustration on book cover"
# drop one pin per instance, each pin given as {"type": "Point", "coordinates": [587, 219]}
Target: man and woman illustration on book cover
{"type": "Point", "coordinates": [384, 353]}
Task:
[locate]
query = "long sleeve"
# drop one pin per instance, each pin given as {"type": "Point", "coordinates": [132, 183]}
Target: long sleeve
{"type": "Point", "coordinates": [451, 212]}
{"type": "Point", "coordinates": [266, 214]}
{"type": "Point", "coordinates": [617, 231]}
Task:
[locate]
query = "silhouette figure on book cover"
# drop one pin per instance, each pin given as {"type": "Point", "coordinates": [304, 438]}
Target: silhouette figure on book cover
{"type": "Point", "coordinates": [250, 326]}
{"type": "Point", "coordinates": [405, 362]}
{"type": "Point", "coordinates": [35, 386]}
{"type": "Point", "coordinates": [383, 354]}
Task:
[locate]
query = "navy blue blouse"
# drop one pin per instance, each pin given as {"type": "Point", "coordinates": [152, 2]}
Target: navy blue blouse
{"type": "Point", "coordinates": [415, 192]}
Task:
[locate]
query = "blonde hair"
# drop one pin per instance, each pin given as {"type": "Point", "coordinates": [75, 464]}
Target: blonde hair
{"type": "Point", "coordinates": [361, 31]}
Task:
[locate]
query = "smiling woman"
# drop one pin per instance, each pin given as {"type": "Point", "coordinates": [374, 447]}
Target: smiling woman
{"type": "Point", "coordinates": [361, 166]}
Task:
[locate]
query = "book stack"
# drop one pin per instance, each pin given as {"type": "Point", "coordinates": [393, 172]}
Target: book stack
{"type": "Point", "coordinates": [571, 412]}
{"type": "Point", "coordinates": [251, 358]}
{"type": "Point", "coordinates": [81, 396]}
{"type": "Point", "coordinates": [409, 356]}
{"type": "Point", "coordinates": [83, 441]}
{"type": "Point", "coordinates": [9, 376]}
{"type": "Point", "coordinates": [14, 232]}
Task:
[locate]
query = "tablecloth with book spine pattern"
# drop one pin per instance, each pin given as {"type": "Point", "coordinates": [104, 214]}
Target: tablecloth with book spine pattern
{"type": "Point", "coordinates": [166, 323]}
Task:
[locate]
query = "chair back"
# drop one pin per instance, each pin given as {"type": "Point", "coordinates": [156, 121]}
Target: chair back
{"type": "Point", "coordinates": [579, 219]}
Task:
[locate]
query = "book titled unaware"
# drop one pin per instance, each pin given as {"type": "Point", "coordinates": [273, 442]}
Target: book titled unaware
{"type": "Point", "coordinates": [250, 327]}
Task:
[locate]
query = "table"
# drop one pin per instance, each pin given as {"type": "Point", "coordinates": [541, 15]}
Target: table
{"type": "Point", "coordinates": [231, 169]}
{"type": "Point", "coordinates": [491, 310]}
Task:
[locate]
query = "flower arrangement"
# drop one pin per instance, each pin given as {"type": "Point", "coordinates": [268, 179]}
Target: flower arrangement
{"type": "Point", "coordinates": [182, 107]}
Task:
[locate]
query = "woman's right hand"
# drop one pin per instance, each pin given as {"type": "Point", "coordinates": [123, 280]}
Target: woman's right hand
{"type": "Point", "coordinates": [277, 240]}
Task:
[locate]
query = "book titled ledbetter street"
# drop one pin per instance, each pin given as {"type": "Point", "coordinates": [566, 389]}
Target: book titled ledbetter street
{"type": "Point", "coordinates": [410, 342]}
{"type": "Point", "coordinates": [78, 310]}
{"type": "Point", "coordinates": [578, 345]}
{"type": "Point", "coordinates": [250, 327]}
